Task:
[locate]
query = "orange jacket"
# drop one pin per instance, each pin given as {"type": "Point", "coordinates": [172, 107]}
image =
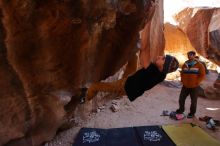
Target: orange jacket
{"type": "Point", "coordinates": [192, 74]}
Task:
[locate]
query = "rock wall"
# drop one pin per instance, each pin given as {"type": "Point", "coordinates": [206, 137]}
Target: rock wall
{"type": "Point", "coordinates": [65, 44]}
{"type": "Point", "coordinates": [202, 27]}
{"type": "Point", "coordinates": [183, 17]}
{"type": "Point", "coordinates": [214, 37]}
{"type": "Point", "coordinates": [152, 36]}
{"type": "Point", "coordinates": [177, 42]}
{"type": "Point", "coordinates": [13, 105]}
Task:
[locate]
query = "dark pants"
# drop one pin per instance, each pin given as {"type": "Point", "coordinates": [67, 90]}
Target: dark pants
{"type": "Point", "coordinates": [193, 92]}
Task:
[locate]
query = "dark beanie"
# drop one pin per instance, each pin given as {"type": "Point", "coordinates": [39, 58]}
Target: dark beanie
{"type": "Point", "coordinates": [170, 65]}
{"type": "Point", "coordinates": [191, 53]}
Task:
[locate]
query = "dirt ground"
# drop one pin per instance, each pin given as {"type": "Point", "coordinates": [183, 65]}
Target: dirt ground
{"type": "Point", "coordinates": [145, 110]}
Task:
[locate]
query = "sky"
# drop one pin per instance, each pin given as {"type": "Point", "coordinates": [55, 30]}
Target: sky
{"type": "Point", "coordinates": [174, 6]}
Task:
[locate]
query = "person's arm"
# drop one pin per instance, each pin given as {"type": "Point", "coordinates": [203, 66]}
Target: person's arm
{"type": "Point", "coordinates": [181, 72]}
{"type": "Point", "coordinates": [202, 72]}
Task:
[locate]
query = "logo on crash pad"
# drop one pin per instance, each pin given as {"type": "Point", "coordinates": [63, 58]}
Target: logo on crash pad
{"type": "Point", "coordinates": [152, 136]}
{"type": "Point", "coordinates": [91, 137]}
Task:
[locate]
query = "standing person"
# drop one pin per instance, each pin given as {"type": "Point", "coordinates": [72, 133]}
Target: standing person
{"type": "Point", "coordinates": [136, 84]}
{"type": "Point", "coordinates": [193, 72]}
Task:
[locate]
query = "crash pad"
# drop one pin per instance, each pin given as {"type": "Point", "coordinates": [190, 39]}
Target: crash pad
{"type": "Point", "coordinates": [127, 136]}
{"type": "Point", "coordinates": [189, 135]}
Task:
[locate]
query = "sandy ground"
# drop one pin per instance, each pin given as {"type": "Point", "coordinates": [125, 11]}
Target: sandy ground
{"type": "Point", "coordinates": [145, 110]}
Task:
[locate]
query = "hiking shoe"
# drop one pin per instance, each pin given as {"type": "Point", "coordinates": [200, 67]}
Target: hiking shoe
{"type": "Point", "coordinates": [211, 124]}
{"type": "Point", "coordinates": [83, 95]}
{"type": "Point", "coordinates": [180, 116]}
{"type": "Point", "coordinates": [178, 111]}
{"type": "Point", "coordinates": [165, 113]}
{"type": "Point", "coordinates": [173, 115]}
{"type": "Point", "coordinates": [190, 116]}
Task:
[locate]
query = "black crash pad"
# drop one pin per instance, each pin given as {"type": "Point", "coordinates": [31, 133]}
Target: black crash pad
{"type": "Point", "coordinates": [91, 137]}
{"type": "Point", "coordinates": [153, 136]}
{"type": "Point", "coordinates": [129, 136]}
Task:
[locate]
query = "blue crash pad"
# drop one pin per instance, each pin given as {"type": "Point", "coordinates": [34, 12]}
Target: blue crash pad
{"type": "Point", "coordinates": [129, 136]}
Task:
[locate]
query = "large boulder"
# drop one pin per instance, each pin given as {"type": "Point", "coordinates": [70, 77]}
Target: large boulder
{"type": "Point", "coordinates": [65, 44]}
{"type": "Point", "coordinates": [13, 105]}
{"type": "Point", "coordinates": [25, 121]}
{"type": "Point", "coordinates": [203, 29]}
{"type": "Point", "coordinates": [152, 36]}
{"type": "Point", "coordinates": [213, 92]}
{"type": "Point", "coordinates": [183, 17]}
{"type": "Point", "coordinates": [177, 42]}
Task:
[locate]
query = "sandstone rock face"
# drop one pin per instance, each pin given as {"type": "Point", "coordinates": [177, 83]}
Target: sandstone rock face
{"type": "Point", "coordinates": [213, 91]}
{"type": "Point", "coordinates": [177, 42]}
{"type": "Point", "coordinates": [65, 44]}
{"type": "Point", "coordinates": [13, 105]}
{"type": "Point", "coordinates": [203, 30]}
{"type": "Point", "coordinates": [152, 36]}
{"type": "Point", "coordinates": [214, 37]}
{"type": "Point", "coordinates": [62, 45]}
{"type": "Point", "coordinates": [21, 116]}
{"type": "Point", "coordinates": [183, 17]}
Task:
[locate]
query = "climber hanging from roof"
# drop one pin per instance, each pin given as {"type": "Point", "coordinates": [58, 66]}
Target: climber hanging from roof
{"type": "Point", "coordinates": [135, 84]}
